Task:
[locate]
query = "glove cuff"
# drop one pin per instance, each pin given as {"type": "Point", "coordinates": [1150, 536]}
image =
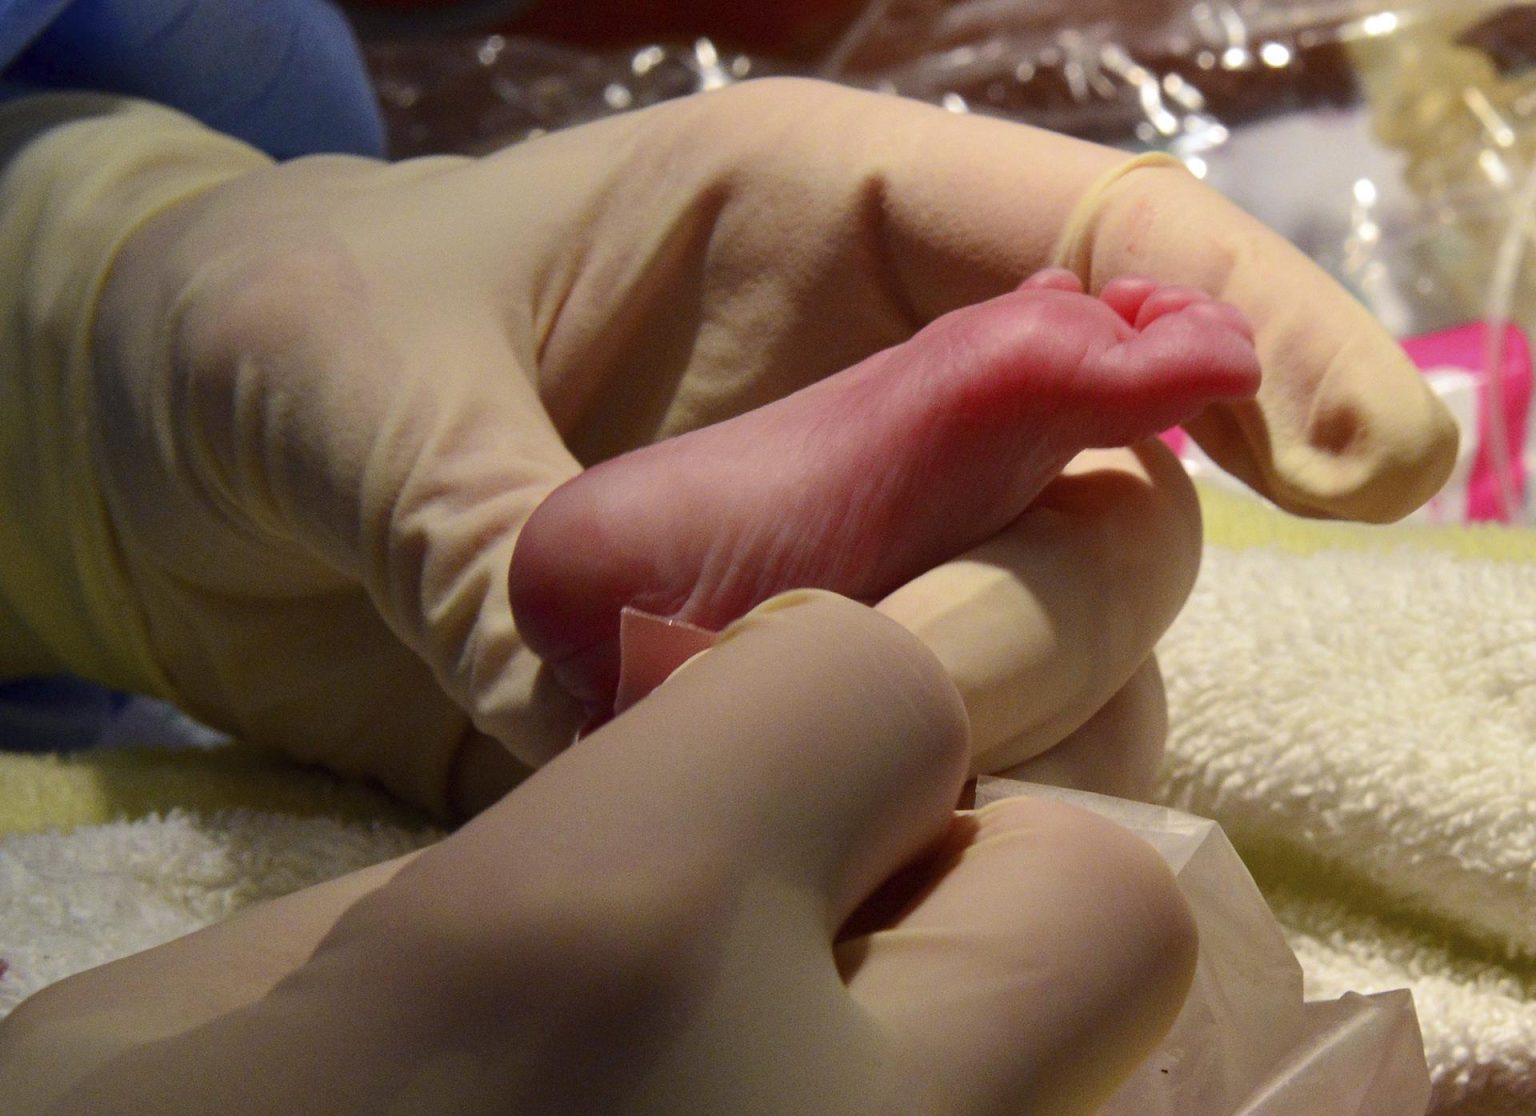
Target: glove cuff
{"type": "Point", "coordinates": [1074, 251]}
{"type": "Point", "coordinates": [81, 173]}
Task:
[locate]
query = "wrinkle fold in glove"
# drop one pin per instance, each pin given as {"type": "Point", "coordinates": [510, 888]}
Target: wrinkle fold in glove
{"type": "Point", "coordinates": [65, 598]}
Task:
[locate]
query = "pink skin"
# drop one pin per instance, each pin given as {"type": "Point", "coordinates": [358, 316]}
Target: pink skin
{"type": "Point", "coordinates": [863, 481]}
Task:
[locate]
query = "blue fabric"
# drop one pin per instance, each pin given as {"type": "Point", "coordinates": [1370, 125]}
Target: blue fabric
{"type": "Point", "coordinates": [283, 75]}
{"type": "Point", "coordinates": [56, 714]}
{"type": "Point", "coordinates": [64, 714]}
{"type": "Point", "coordinates": [22, 21]}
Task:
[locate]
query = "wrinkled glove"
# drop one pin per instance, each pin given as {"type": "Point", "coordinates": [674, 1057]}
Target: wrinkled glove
{"type": "Point", "coordinates": [276, 428]}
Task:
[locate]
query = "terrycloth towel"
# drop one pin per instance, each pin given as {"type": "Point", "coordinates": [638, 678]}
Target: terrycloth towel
{"type": "Point", "coordinates": [1356, 706]}
{"type": "Point", "coordinates": [112, 852]}
{"type": "Point", "coordinates": [72, 901]}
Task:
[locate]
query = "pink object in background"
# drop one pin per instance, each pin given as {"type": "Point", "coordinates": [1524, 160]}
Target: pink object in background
{"type": "Point", "coordinates": [1460, 355]}
{"type": "Point", "coordinates": [1490, 482]}
{"type": "Point", "coordinates": [1176, 440]}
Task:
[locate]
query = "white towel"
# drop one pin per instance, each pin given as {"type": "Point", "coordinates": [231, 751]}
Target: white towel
{"type": "Point", "coordinates": [1362, 723]}
{"type": "Point", "coordinates": [73, 900]}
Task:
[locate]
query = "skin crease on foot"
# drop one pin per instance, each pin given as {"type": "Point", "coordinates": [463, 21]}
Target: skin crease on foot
{"type": "Point", "coordinates": [861, 482]}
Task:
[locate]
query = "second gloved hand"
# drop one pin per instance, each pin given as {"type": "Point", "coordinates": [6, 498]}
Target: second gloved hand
{"type": "Point", "coordinates": [680, 916]}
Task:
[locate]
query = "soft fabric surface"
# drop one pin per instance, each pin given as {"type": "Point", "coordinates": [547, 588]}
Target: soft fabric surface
{"type": "Point", "coordinates": [1356, 706]}
{"type": "Point", "coordinates": [111, 852]}
{"type": "Point", "coordinates": [72, 901]}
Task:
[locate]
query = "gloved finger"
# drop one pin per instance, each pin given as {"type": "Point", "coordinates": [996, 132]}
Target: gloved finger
{"type": "Point", "coordinates": [645, 926]}
{"type": "Point", "coordinates": [696, 856]}
{"type": "Point", "coordinates": [1041, 626]}
{"type": "Point", "coordinates": [1117, 751]}
{"type": "Point", "coordinates": [1037, 959]}
{"type": "Point", "coordinates": [682, 872]}
{"type": "Point", "coordinates": [816, 741]}
{"type": "Point", "coordinates": [1343, 423]}
{"type": "Point", "coordinates": [924, 211]}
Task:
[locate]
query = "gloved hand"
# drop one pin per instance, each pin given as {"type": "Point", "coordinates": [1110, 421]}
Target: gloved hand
{"type": "Point", "coordinates": [280, 426]}
{"type": "Point", "coordinates": [285, 75]}
{"type": "Point", "coordinates": [772, 911]}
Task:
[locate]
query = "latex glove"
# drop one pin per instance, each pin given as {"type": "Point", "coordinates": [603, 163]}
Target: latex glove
{"type": "Point", "coordinates": [316, 402]}
{"type": "Point", "coordinates": [285, 75]}
{"type": "Point", "coordinates": [749, 894]}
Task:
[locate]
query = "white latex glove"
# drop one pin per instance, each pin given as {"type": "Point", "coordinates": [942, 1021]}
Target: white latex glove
{"type": "Point", "coordinates": [662, 920]}
{"type": "Point", "coordinates": [278, 427]}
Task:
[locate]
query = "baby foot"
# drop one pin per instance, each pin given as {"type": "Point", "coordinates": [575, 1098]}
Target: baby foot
{"type": "Point", "coordinates": [861, 482]}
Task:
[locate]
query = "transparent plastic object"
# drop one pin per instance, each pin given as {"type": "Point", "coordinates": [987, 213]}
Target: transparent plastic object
{"type": "Point", "coordinates": [1246, 1043]}
{"type": "Point", "coordinates": [473, 94]}
{"type": "Point", "coordinates": [1172, 74]}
